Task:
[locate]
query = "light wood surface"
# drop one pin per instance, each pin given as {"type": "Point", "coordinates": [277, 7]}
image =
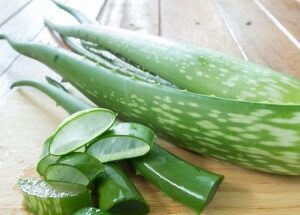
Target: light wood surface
{"type": "Point", "coordinates": [27, 117]}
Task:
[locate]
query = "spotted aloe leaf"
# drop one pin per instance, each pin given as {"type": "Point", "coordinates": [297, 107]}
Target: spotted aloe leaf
{"type": "Point", "coordinates": [258, 135]}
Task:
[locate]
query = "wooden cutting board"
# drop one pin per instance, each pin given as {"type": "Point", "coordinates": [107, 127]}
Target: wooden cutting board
{"type": "Point", "coordinates": [239, 28]}
{"type": "Point", "coordinates": [28, 117]}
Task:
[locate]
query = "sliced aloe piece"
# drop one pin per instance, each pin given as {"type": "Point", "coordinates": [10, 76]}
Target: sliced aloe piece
{"type": "Point", "coordinates": [81, 128]}
{"type": "Point", "coordinates": [66, 173]}
{"type": "Point", "coordinates": [118, 195]}
{"type": "Point", "coordinates": [46, 198]}
{"type": "Point", "coordinates": [45, 162]}
{"type": "Point", "coordinates": [77, 168]}
{"type": "Point", "coordinates": [46, 159]}
{"type": "Point", "coordinates": [91, 211]}
{"type": "Point", "coordinates": [126, 140]}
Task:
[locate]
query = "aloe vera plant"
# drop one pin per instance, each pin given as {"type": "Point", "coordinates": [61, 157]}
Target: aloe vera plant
{"type": "Point", "coordinates": [258, 135]}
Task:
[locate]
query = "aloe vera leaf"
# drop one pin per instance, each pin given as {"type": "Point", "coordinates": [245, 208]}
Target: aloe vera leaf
{"type": "Point", "coordinates": [80, 129]}
{"type": "Point", "coordinates": [117, 194]}
{"type": "Point", "coordinates": [144, 167]}
{"type": "Point", "coordinates": [45, 198]}
{"type": "Point", "coordinates": [259, 136]}
{"type": "Point", "coordinates": [91, 211]}
{"type": "Point", "coordinates": [177, 178]}
{"type": "Point", "coordinates": [190, 67]}
{"type": "Point", "coordinates": [126, 140]}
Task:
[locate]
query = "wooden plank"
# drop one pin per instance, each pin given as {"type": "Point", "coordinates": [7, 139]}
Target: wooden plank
{"type": "Point", "coordinates": [197, 22]}
{"type": "Point", "coordinates": [136, 15]}
{"type": "Point", "coordinates": [243, 191]}
{"type": "Point", "coordinates": [10, 8]}
{"type": "Point", "coordinates": [260, 38]}
{"type": "Point", "coordinates": [287, 12]}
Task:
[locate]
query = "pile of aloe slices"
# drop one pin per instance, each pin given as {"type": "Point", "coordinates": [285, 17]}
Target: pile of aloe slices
{"type": "Point", "coordinates": [72, 159]}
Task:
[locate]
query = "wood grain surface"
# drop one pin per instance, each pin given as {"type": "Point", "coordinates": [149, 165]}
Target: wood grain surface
{"type": "Point", "coordinates": [240, 28]}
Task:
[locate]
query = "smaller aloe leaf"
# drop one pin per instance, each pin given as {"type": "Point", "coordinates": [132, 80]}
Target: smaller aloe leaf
{"type": "Point", "coordinates": [126, 140]}
{"type": "Point", "coordinates": [81, 128]}
{"type": "Point", "coordinates": [63, 197]}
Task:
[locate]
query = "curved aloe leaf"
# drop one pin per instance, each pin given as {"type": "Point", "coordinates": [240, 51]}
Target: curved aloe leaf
{"type": "Point", "coordinates": [45, 198]}
{"type": "Point", "coordinates": [260, 136]}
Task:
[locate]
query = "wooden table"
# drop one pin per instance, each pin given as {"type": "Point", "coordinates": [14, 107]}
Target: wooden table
{"type": "Point", "coordinates": [263, 31]}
